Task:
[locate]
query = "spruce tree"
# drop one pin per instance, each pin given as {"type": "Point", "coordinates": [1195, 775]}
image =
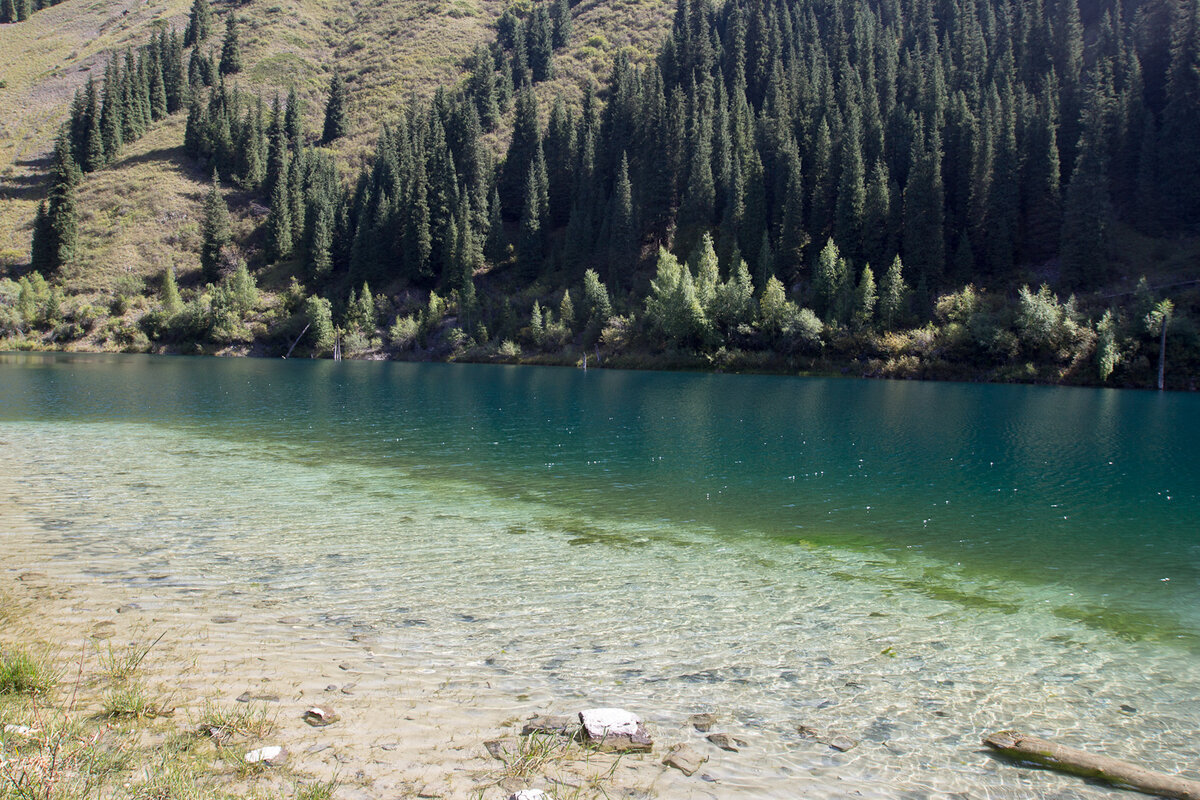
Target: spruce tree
{"type": "Point", "coordinates": [231, 50]}
{"type": "Point", "coordinates": [530, 248]}
{"type": "Point", "coordinates": [560, 18]}
{"type": "Point", "coordinates": [41, 255]}
{"type": "Point", "coordinates": [279, 223]}
{"type": "Point", "coordinates": [335, 110]}
{"type": "Point", "coordinates": [62, 213]}
{"type": "Point", "coordinates": [215, 232]}
{"type": "Point", "coordinates": [540, 44]}
{"type": "Point", "coordinates": [199, 23]}
{"type": "Point", "coordinates": [170, 294]}
{"type": "Point", "coordinates": [893, 296]}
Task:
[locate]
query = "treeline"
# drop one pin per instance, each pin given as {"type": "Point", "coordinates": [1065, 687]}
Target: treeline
{"type": "Point", "coordinates": [19, 10]}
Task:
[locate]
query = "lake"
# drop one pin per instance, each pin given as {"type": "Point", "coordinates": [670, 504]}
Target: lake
{"type": "Point", "coordinates": [909, 564]}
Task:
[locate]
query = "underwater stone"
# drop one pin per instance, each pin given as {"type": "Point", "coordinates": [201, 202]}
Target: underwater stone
{"type": "Point", "coordinates": [561, 725]}
{"type": "Point", "coordinates": [703, 722]}
{"type": "Point", "coordinates": [685, 758]}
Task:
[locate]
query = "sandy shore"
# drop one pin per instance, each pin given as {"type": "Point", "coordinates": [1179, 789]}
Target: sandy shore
{"type": "Point", "coordinates": [401, 732]}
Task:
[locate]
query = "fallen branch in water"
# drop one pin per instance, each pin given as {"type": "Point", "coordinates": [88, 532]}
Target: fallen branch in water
{"type": "Point", "coordinates": [1088, 765]}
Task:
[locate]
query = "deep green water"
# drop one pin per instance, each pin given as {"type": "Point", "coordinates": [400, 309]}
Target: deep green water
{"type": "Point", "coordinates": [910, 563]}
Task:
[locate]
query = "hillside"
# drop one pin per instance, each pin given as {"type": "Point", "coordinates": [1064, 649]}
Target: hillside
{"type": "Point", "coordinates": [878, 188]}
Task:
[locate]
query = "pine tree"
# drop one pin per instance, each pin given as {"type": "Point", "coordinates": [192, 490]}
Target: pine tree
{"type": "Point", "coordinates": [893, 296]}
{"type": "Point", "coordinates": [865, 297]}
{"type": "Point", "coordinates": [335, 110]}
{"type": "Point", "coordinates": [623, 233]}
{"type": "Point", "coordinates": [215, 232]}
{"type": "Point", "coordinates": [199, 23]}
{"type": "Point", "coordinates": [171, 302]}
{"type": "Point", "coordinates": [560, 17]}
{"type": "Point", "coordinates": [851, 196]}
{"type": "Point", "coordinates": [831, 280]}
{"type": "Point", "coordinates": [8, 11]}
{"type": "Point", "coordinates": [530, 249]}
{"type": "Point", "coordinates": [57, 247]}
{"type": "Point", "coordinates": [231, 50]}
{"type": "Point", "coordinates": [540, 44]}
{"type": "Point", "coordinates": [42, 250]}
{"type": "Point", "coordinates": [279, 224]}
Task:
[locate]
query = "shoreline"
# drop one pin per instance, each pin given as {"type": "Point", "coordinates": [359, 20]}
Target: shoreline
{"type": "Point", "coordinates": [396, 734]}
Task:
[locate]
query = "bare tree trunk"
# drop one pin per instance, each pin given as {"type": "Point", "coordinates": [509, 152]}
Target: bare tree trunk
{"type": "Point", "coordinates": [1068, 759]}
{"type": "Point", "coordinates": [1162, 353]}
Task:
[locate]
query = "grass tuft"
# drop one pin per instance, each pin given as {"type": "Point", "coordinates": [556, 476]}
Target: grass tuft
{"type": "Point", "coordinates": [132, 701]}
{"type": "Point", "coordinates": [222, 723]}
{"type": "Point", "coordinates": [23, 673]}
{"type": "Point", "coordinates": [120, 663]}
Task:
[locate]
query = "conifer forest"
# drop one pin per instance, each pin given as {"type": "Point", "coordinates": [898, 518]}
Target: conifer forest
{"type": "Point", "coordinates": [993, 190]}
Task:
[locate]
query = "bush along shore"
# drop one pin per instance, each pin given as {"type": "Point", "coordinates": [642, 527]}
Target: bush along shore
{"type": "Point", "coordinates": [689, 320]}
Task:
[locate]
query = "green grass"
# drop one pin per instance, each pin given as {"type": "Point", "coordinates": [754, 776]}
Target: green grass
{"type": "Point", "coordinates": [24, 673]}
{"type": "Point", "coordinates": [120, 663]}
{"type": "Point", "coordinates": [224, 722]}
{"type": "Point", "coordinates": [131, 701]}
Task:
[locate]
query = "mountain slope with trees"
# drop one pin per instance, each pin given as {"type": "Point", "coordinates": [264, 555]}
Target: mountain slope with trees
{"type": "Point", "coordinates": [877, 187]}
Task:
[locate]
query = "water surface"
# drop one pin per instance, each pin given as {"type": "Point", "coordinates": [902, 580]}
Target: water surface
{"type": "Point", "coordinates": [910, 564]}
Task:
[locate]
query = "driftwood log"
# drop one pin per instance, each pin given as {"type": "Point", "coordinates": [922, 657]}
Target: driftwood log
{"type": "Point", "coordinates": [1068, 759]}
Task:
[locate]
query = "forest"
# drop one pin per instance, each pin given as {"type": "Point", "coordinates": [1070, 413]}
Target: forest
{"type": "Point", "coordinates": [907, 188]}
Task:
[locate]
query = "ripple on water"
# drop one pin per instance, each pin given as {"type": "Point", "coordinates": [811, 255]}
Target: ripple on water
{"type": "Point", "coordinates": [913, 658]}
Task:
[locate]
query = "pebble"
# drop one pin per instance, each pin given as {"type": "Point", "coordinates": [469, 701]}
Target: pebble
{"type": "Point", "coordinates": [224, 619]}
{"type": "Point", "coordinates": [703, 722]}
{"type": "Point", "coordinates": [320, 716]}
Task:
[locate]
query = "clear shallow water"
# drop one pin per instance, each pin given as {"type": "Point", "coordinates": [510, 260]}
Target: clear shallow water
{"type": "Point", "coordinates": [910, 564]}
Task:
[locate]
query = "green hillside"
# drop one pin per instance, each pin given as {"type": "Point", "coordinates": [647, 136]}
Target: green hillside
{"type": "Point", "coordinates": [875, 188]}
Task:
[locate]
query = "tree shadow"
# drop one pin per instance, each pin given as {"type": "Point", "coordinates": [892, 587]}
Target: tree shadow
{"type": "Point", "coordinates": [23, 187]}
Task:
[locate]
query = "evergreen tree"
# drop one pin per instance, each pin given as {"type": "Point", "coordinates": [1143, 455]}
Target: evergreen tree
{"type": "Point", "coordinates": [171, 302]}
{"type": "Point", "coordinates": [279, 224]}
{"type": "Point", "coordinates": [199, 23]}
{"type": "Point", "coordinates": [540, 44]}
{"type": "Point", "coordinates": [215, 232]}
{"type": "Point", "coordinates": [55, 247]}
{"type": "Point", "coordinates": [597, 307]}
{"type": "Point", "coordinates": [623, 234]}
{"type": "Point", "coordinates": [231, 50]}
{"type": "Point", "coordinates": [530, 249]}
{"type": "Point", "coordinates": [893, 296]}
{"type": "Point", "coordinates": [335, 110]}
{"type": "Point", "coordinates": [560, 18]}
{"type": "Point", "coordinates": [42, 251]}
{"type": "Point", "coordinates": [865, 297]}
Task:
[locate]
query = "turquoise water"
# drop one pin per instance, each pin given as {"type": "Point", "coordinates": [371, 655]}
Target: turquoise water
{"type": "Point", "coordinates": [910, 563]}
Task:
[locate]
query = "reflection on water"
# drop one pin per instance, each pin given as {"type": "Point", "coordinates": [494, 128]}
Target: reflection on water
{"type": "Point", "coordinates": [911, 564]}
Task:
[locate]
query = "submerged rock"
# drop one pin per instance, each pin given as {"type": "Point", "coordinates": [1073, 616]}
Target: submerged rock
{"type": "Point", "coordinates": [320, 716]}
{"type": "Point", "coordinates": [615, 730]}
{"type": "Point", "coordinates": [272, 756]}
{"type": "Point", "coordinates": [685, 758]}
{"type": "Point", "coordinates": [246, 697]}
{"type": "Point", "coordinates": [726, 742]}
{"type": "Point", "coordinates": [561, 725]}
{"type": "Point", "coordinates": [703, 722]}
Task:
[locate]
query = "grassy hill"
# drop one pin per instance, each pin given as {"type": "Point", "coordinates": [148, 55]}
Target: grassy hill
{"type": "Point", "coordinates": [140, 214]}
